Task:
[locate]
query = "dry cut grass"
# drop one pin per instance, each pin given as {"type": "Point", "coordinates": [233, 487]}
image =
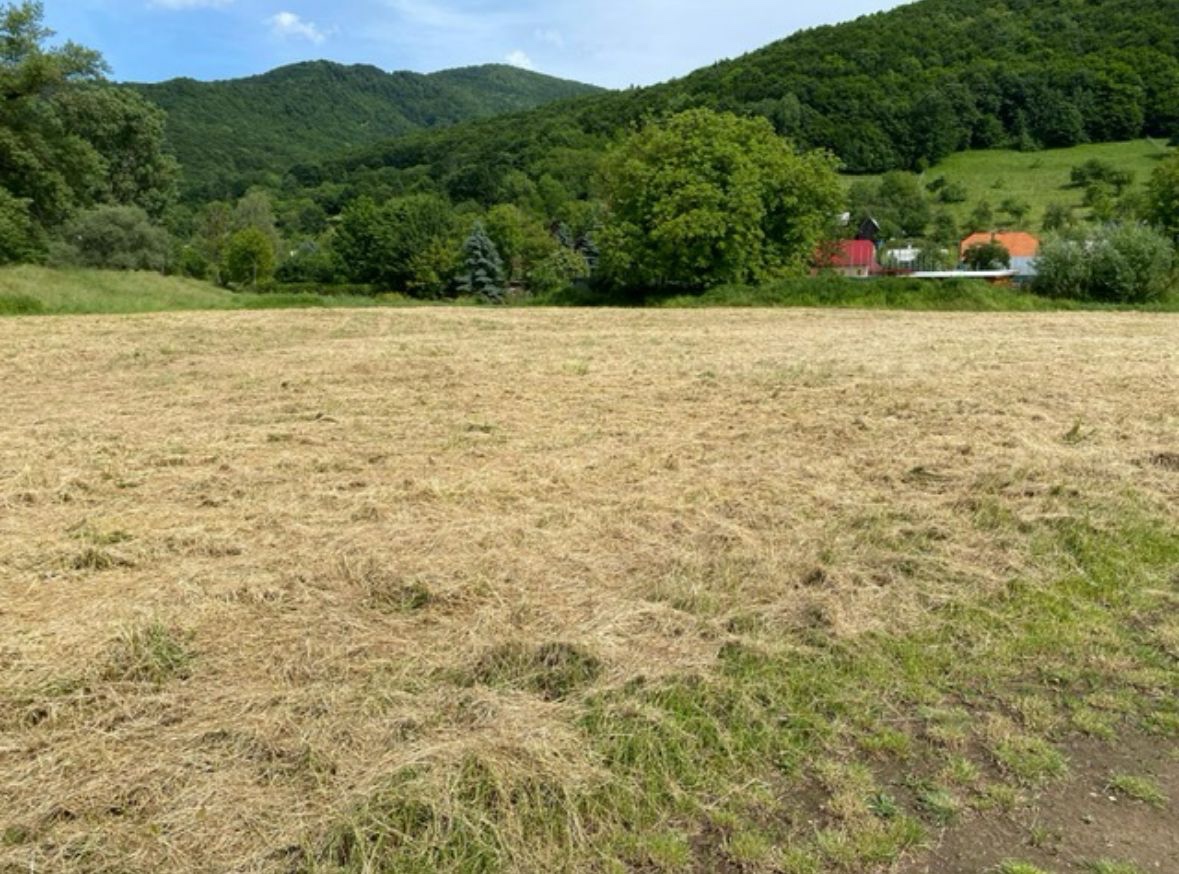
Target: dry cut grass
{"type": "Point", "coordinates": [301, 591]}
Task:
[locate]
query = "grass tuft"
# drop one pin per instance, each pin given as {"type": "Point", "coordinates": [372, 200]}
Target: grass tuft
{"type": "Point", "coordinates": [149, 653]}
{"type": "Point", "coordinates": [553, 670]}
{"type": "Point", "coordinates": [1013, 867]}
{"type": "Point", "coordinates": [1107, 866]}
{"type": "Point", "coordinates": [1144, 789]}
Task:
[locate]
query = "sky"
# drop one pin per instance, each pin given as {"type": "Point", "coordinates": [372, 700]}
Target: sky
{"type": "Point", "coordinates": [614, 43]}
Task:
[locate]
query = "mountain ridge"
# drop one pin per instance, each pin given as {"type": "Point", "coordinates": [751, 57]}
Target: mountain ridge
{"type": "Point", "coordinates": [230, 132]}
{"type": "Point", "coordinates": [895, 90]}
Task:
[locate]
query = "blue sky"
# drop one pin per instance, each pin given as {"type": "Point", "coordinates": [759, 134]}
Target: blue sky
{"type": "Point", "coordinates": [608, 42]}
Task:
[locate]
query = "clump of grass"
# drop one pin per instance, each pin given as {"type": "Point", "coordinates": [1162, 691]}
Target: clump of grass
{"type": "Point", "coordinates": [940, 805]}
{"type": "Point", "coordinates": [1144, 789]}
{"type": "Point", "coordinates": [1107, 866]}
{"type": "Point", "coordinates": [997, 796]}
{"type": "Point", "coordinates": [1014, 867]}
{"type": "Point", "coordinates": [382, 589]}
{"type": "Point", "coordinates": [92, 559]}
{"type": "Point", "coordinates": [14, 836]}
{"type": "Point", "coordinates": [751, 849]}
{"type": "Point", "coordinates": [453, 818]}
{"type": "Point", "coordinates": [149, 653]}
{"type": "Point", "coordinates": [1095, 724]}
{"type": "Point", "coordinates": [1028, 758]}
{"type": "Point", "coordinates": [552, 670]}
{"type": "Point", "coordinates": [20, 305]}
{"type": "Point", "coordinates": [666, 850]}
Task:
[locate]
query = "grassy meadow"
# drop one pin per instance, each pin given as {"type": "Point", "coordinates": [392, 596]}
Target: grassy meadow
{"type": "Point", "coordinates": [406, 590]}
{"type": "Point", "coordinates": [1039, 178]}
{"type": "Point", "coordinates": [30, 290]}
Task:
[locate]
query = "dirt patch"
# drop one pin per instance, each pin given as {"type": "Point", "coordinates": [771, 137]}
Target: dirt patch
{"type": "Point", "coordinates": [1078, 821]}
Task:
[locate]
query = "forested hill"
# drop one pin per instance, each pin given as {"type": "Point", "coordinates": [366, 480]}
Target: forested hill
{"type": "Point", "coordinates": [893, 90]}
{"type": "Point", "coordinates": [224, 131]}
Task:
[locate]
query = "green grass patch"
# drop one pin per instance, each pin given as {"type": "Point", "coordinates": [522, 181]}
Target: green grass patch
{"type": "Point", "coordinates": [1144, 789]}
{"type": "Point", "coordinates": [1106, 866]}
{"type": "Point", "coordinates": [886, 293]}
{"type": "Point", "coordinates": [1012, 867]}
{"type": "Point", "coordinates": [29, 290]}
{"type": "Point", "coordinates": [149, 653]}
{"type": "Point", "coordinates": [1037, 178]}
{"type": "Point", "coordinates": [791, 742]}
{"type": "Point", "coordinates": [553, 670]}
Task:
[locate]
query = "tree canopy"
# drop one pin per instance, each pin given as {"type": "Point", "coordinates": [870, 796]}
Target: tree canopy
{"type": "Point", "coordinates": [705, 198]}
{"type": "Point", "coordinates": [69, 140]}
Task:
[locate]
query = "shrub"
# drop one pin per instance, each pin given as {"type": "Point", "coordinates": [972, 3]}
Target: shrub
{"type": "Point", "coordinates": [1062, 269]}
{"type": "Point", "coordinates": [987, 256]}
{"type": "Point", "coordinates": [309, 262]}
{"type": "Point", "coordinates": [1126, 263]}
{"type": "Point", "coordinates": [558, 271]}
{"type": "Point", "coordinates": [115, 238]}
{"type": "Point", "coordinates": [1098, 172]}
{"type": "Point", "coordinates": [1130, 264]}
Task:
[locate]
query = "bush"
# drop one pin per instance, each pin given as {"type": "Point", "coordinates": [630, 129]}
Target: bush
{"type": "Point", "coordinates": [954, 192]}
{"type": "Point", "coordinates": [1132, 264]}
{"type": "Point", "coordinates": [1062, 269]}
{"type": "Point", "coordinates": [987, 256]}
{"type": "Point", "coordinates": [249, 258]}
{"type": "Point", "coordinates": [311, 262]}
{"type": "Point", "coordinates": [1098, 172]}
{"type": "Point", "coordinates": [20, 240]}
{"type": "Point", "coordinates": [1119, 264]}
{"type": "Point", "coordinates": [558, 271]}
{"type": "Point", "coordinates": [115, 238]}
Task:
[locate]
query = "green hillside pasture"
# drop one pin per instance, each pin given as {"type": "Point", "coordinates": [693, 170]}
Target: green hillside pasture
{"type": "Point", "coordinates": [28, 290]}
{"type": "Point", "coordinates": [1038, 178]}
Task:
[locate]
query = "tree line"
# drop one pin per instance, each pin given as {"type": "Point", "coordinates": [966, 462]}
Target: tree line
{"type": "Point", "coordinates": [632, 192]}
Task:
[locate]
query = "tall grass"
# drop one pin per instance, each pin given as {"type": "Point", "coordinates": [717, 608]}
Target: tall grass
{"type": "Point", "coordinates": [29, 290]}
{"type": "Point", "coordinates": [898, 293]}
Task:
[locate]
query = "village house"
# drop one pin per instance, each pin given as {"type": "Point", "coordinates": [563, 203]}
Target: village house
{"type": "Point", "coordinates": [1023, 248]}
{"type": "Point", "coordinates": [853, 258]}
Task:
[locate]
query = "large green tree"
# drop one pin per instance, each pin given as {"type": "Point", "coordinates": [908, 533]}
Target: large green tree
{"type": "Point", "coordinates": [69, 140]}
{"type": "Point", "coordinates": [705, 198]}
{"type": "Point", "coordinates": [398, 245]}
{"type": "Point", "coordinates": [249, 258]}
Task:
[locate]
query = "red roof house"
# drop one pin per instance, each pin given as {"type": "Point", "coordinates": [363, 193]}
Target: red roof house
{"type": "Point", "coordinates": [848, 258]}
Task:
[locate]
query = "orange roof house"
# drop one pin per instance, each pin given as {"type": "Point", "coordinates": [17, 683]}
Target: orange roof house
{"type": "Point", "coordinates": [1018, 243]}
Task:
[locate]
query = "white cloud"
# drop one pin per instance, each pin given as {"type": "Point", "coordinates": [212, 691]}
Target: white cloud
{"type": "Point", "coordinates": [551, 36]}
{"type": "Point", "coordinates": [188, 4]}
{"type": "Point", "coordinates": [519, 59]}
{"type": "Point", "coordinates": [289, 25]}
{"type": "Point", "coordinates": [424, 13]}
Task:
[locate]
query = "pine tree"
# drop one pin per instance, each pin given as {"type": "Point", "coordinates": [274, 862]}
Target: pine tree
{"type": "Point", "coordinates": [483, 269]}
{"type": "Point", "coordinates": [588, 249]}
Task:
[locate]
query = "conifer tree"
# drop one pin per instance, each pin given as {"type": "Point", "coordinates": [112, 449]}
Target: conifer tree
{"type": "Point", "coordinates": [482, 268]}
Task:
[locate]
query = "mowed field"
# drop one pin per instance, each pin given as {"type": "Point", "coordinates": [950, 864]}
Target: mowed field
{"type": "Point", "coordinates": [472, 590]}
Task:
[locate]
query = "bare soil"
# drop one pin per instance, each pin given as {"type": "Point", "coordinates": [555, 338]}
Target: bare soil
{"type": "Point", "coordinates": [1078, 821]}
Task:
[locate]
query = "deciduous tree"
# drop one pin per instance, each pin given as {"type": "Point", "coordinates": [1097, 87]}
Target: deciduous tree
{"type": "Point", "coordinates": [705, 198]}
